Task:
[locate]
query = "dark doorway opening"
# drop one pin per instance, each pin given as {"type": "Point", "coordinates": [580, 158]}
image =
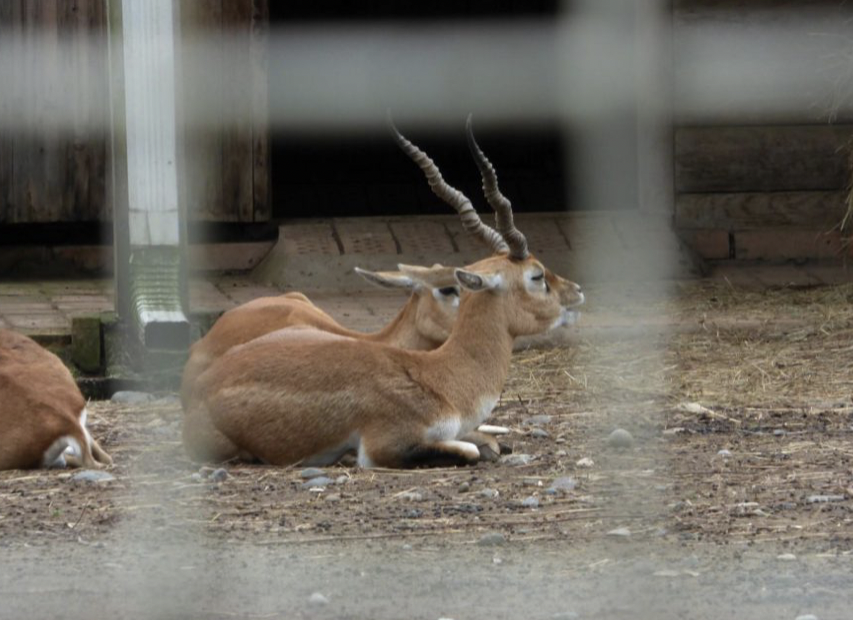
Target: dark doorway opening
{"type": "Point", "coordinates": [367, 175]}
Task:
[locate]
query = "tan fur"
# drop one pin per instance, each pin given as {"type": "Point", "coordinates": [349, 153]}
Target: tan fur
{"type": "Point", "coordinates": [422, 324]}
{"type": "Point", "coordinates": [283, 402]}
{"type": "Point", "coordinates": [39, 403]}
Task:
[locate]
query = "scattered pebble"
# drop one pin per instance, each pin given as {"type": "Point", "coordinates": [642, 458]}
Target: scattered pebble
{"type": "Point", "coordinates": [311, 472]}
{"type": "Point", "coordinates": [540, 433]}
{"type": "Point", "coordinates": [219, 475]}
{"type": "Point", "coordinates": [585, 462]}
{"type": "Point", "coordinates": [560, 440]}
{"type": "Point", "coordinates": [675, 430]}
{"type": "Point", "coordinates": [414, 513]}
{"type": "Point", "coordinates": [561, 453]}
{"type": "Point", "coordinates": [92, 475]}
{"type": "Point", "coordinates": [693, 408]}
{"type": "Point", "coordinates": [497, 560]}
{"type": "Point", "coordinates": [411, 496]}
{"type": "Point", "coordinates": [196, 477]}
{"type": "Point", "coordinates": [779, 432]}
{"type": "Point", "coordinates": [530, 502]}
{"type": "Point", "coordinates": [565, 615]}
{"type": "Point", "coordinates": [807, 617]}
{"type": "Point", "coordinates": [516, 459]}
{"type": "Point", "coordinates": [130, 397]}
{"type": "Point", "coordinates": [490, 493]}
{"type": "Point", "coordinates": [621, 532]}
{"type": "Point", "coordinates": [491, 539]}
{"type": "Point", "coordinates": [564, 483]}
{"type": "Point", "coordinates": [537, 420]}
{"type": "Point", "coordinates": [205, 471]}
{"type": "Point", "coordinates": [531, 482]}
{"type": "Point", "coordinates": [464, 487]}
{"type": "Point", "coordinates": [724, 453]}
{"type": "Point", "coordinates": [786, 557]}
{"type": "Point", "coordinates": [341, 479]}
{"type": "Point", "coordinates": [823, 499]}
{"type": "Point", "coordinates": [320, 482]}
{"type": "Point", "coordinates": [333, 497]}
{"type": "Point", "coordinates": [406, 547]}
{"type": "Point", "coordinates": [318, 599]}
{"type": "Point", "coordinates": [620, 438]}
{"type": "Point", "coordinates": [550, 491]}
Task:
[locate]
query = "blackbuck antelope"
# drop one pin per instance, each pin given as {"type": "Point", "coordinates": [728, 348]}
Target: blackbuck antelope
{"type": "Point", "coordinates": [310, 401]}
{"type": "Point", "coordinates": [42, 412]}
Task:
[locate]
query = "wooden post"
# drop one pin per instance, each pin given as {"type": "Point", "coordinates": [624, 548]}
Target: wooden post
{"type": "Point", "coordinates": [149, 222]}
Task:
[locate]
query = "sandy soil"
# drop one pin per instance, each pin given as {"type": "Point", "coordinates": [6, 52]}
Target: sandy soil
{"type": "Point", "coordinates": [666, 527]}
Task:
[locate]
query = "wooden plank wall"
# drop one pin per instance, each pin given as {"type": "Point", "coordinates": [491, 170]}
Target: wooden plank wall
{"type": "Point", "coordinates": [50, 173]}
{"type": "Point", "coordinates": [227, 172]}
{"type": "Point", "coordinates": [759, 186]}
{"type": "Point", "coordinates": [53, 173]}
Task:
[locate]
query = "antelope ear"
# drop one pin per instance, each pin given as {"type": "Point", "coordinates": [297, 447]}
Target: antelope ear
{"type": "Point", "coordinates": [437, 276]}
{"type": "Point", "coordinates": [478, 281]}
{"type": "Point", "coordinates": [387, 279]}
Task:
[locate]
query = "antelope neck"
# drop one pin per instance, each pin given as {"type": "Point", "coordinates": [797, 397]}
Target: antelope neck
{"type": "Point", "coordinates": [401, 331]}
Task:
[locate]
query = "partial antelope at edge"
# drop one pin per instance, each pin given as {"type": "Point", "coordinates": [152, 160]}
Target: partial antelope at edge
{"type": "Point", "coordinates": [42, 412]}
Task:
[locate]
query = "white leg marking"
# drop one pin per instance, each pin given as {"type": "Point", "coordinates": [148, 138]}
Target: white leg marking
{"type": "Point", "coordinates": [54, 456]}
{"type": "Point", "coordinates": [467, 448]}
{"type": "Point", "coordinates": [84, 416]}
{"type": "Point", "coordinates": [493, 430]}
{"type": "Point", "coordinates": [363, 460]}
{"type": "Point", "coordinates": [444, 429]}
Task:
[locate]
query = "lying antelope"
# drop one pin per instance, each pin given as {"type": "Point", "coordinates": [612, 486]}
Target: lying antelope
{"type": "Point", "coordinates": [284, 402]}
{"type": "Point", "coordinates": [42, 412]}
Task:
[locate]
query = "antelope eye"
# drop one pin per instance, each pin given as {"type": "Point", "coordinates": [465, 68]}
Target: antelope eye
{"type": "Point", "coordinates": [449, 290]}
{"type": "Point", "coordinates": [537, 278]}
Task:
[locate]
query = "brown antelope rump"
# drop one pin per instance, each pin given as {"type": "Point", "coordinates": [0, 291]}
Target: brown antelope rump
{"type": "Point", "coordinates": [42, 412]}
{"type": "Point", "coordinates": [310, 401]}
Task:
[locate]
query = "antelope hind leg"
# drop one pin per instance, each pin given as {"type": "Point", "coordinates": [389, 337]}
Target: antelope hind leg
{"type": "Point", "coordinates": [490, 449]}
{"type": "Point", "coordinates": [446, 453]}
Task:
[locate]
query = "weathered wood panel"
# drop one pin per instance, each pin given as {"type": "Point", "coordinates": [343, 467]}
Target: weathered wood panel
{"type": "Point", "coordinates": [224, 98]}
{"type": "Point", "coordinates": [55, 172]}
{"type": "Point", "coordinates": [762, 159]}
{"type": "Point", "coordinates": [744, 211]}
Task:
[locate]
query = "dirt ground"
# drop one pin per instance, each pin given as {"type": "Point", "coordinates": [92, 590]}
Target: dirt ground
{"type": "Point", "coordinates": [734, 497]}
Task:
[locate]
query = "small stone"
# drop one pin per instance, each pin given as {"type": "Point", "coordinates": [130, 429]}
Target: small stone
{"type": "Point", "coordinates": [491, 539]}
{"type": "Point", "coordinates": [561, 453]}
{"type": "Point", "coordinates": [560, 440]}
{"type": "Point", "coordinates": [531, 482]}
{"type": "Point", "coordinates": [311, 472]}
{"type": "Point", "coordinates": [726, 454]}
{"type": "Point", "coordinates": [320, 482]}
{"type": "Point", "coordinates": [620, 532]}
{"type": "Point", "coordinates": [318, 599]}
{"type": "Point", "coordinates": [516, 459]}
{"type": "Point", "coordinates": [414, 513]}
{"type": "Point", "coordinates": [786, 557]}
{"type": "Point", "coordinates": [129, 397]}
{"type": "Point", "coordinates": [585, 462]}
{"type": "Point", "coordinates": [406, 547]}
{"type": "Point", "coordinates": [91, 475]}
{"type": "Point", "coordinates": [564, 483]}
{"type": "Point", "coordinates": [778, 432]}
{"type": "Point", "coordinates": [807, 617]}
{"type": "Point", "coordinates": [539, 433]}
{"type": "Point", "coordinates": [464, 487]}
{"type": "Point", "coordinates": [824, 499]}
{"type": "Point", "coordinates": [530, 502]}
{"type": "Point", "coordinates": [341, 479]}
{"type": "Point", "coordinates": [490, 493]}
{"type": "Point", "coordinates": [550, 491]}
{"type": "Point", "coordinates": [537, 420]}
{"type": "Point", "coordinates": [675, 430]}
{"type": "Point", "coordinates": [205, 471]}
{"type": "Point", "coordinates": [411, 496]}
{"type": "Point", "coordinates": [620, 438]}
{"type": "Point", "coordinates": [565, 615]}
{"type": "Point", "coordinates": [219, 475]}
{"type": "Point", "coordinates": [497, 560]}
{"type": "Point", "coordinates": [196, 477]}
{"type": "Point", "coordinates": [333, 497]}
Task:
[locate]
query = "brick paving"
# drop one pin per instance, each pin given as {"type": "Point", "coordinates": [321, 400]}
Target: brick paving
{"type": "Point", "coordinates": [609, 246]}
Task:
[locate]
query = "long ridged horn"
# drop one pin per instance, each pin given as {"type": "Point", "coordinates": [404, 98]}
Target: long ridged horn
{"type": "Point", "coordinates": [452, 196]}
{"type": "Point", "coordinates": [503, 208]}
